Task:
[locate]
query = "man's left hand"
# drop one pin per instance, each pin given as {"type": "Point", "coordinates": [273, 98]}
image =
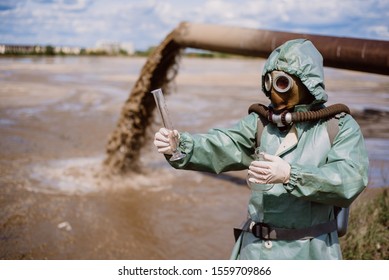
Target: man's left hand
{"type": "Point", "coordinates": [272, 170]}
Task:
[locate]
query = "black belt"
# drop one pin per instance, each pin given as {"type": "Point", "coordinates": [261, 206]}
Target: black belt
{"type": "Point", "coordinates": [268, 232]}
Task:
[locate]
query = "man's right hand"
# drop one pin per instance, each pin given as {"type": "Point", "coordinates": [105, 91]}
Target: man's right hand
{"type": "Point", "coordinates": [166, 141]}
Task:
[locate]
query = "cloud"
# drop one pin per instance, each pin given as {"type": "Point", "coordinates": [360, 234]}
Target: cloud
{"type": "Point", "coordinates": [146, 23]}
{"type": "Point", "coordinates": [380, 30]}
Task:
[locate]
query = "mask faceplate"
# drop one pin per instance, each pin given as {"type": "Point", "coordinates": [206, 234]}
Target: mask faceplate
{"type": "Point", "coordinates": [286, 91]}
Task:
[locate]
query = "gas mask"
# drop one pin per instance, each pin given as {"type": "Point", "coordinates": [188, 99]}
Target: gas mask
{"type": "Point", "coordinates": [285, 91]}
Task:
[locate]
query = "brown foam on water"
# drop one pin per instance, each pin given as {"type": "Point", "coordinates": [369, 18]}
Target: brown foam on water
{"type": "Point", "coordinates": [88, 175]}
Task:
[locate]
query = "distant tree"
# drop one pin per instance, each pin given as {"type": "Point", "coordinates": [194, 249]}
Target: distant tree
{"type": "Point", "coordinates": [123, 52]}
{"type": "Point", "coordinates": [146, 52]}
{"type": "Point", "coordinates": [49, 50]}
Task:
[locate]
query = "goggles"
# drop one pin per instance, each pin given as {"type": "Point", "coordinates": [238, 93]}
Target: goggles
{"type": "Point", "coordinates": [281, 82]}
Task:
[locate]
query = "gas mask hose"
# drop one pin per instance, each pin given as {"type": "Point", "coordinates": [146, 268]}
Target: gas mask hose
{"type": "Point", "coordinates": [286, 118]}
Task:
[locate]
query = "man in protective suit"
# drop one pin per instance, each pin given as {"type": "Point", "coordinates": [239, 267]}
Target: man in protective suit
{"type": "Point", "coordinates": [302, 174]}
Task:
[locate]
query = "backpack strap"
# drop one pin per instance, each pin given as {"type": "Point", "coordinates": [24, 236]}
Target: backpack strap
{"type": "Point", "coordinates": [341, 214]}
{"type": "Point", "coordinates": [333, 127]}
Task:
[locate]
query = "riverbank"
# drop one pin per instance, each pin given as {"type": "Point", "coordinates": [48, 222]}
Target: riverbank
{"type": "Point", "coordinates": [367, 237]}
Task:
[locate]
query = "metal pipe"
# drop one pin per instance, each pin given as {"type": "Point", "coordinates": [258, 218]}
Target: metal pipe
{"type": "Point", "coordinates": [339, 52]}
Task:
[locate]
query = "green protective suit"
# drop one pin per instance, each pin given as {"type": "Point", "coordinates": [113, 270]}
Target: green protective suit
{"type": "Point", "coordinates": [322, 175]}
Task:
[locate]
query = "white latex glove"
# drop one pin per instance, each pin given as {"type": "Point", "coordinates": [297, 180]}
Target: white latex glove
{"type": "Point", "coordinates": [166, 141]}
{"type": "Point", "coordinates": [271, 171]}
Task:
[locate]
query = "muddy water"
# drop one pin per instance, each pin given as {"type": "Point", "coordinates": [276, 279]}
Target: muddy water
{"type": "Point", "coordinates": [55, 117]}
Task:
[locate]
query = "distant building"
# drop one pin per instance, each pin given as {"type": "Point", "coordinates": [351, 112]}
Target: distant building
{"type": "Point", "coordinates": [22, 49]}
{"type": "Point", "coordinates": [68, 50]}
{"type": "Point", "coordinates": [35, 49]}
{"type": "Point", "coordinates": [108, 48]}
{"type": "Point", "coordinates": [128, 47]}
{"type": "Point", "coordinates": [115, 48]}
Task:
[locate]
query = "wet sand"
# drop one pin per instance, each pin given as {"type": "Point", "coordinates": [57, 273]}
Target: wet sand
{"type": "Point", "coordinates": [55, 118]}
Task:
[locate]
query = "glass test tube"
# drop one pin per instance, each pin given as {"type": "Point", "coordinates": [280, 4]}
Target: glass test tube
{"type": "Point", "coordinates": [162, 108]}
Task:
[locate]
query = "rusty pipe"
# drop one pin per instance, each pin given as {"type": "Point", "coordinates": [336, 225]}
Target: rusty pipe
{"type": "Point", "coordinates": [339, 52]}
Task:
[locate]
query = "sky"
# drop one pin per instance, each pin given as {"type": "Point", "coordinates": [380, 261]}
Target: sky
{"type": "Point", "coordinates": [145, 23]}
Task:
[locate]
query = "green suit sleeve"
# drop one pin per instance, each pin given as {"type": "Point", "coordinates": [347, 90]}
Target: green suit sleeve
{"type": "Point", "coordinates": [219, 150]}
{"type": "Point", "coordinates": [342, 177]}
